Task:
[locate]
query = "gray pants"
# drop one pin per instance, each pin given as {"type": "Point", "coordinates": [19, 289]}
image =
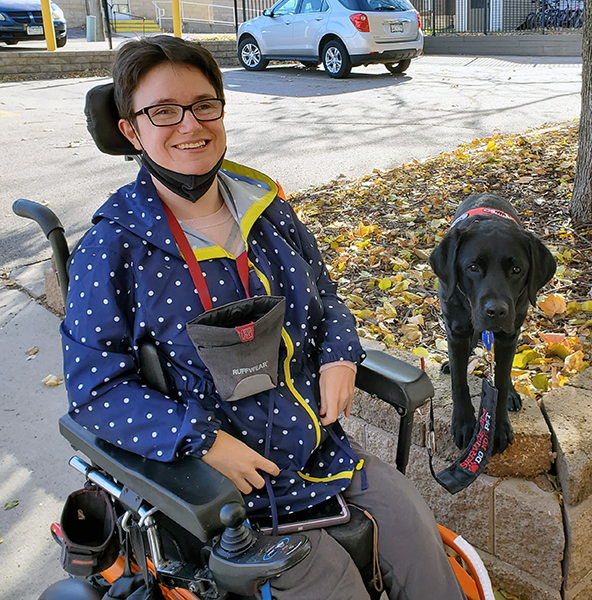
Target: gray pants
{"type": "Point", "coordinates": [412, 559]}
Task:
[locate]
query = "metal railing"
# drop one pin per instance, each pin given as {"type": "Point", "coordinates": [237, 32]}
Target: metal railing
{"type": "Point", "coordinates": [119, 20]}
{"type": "Point", "coordinates": [440, 17]}
{"type": "Point", "coordinates": [198, 12]}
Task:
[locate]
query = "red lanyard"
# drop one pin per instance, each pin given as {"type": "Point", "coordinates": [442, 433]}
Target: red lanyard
{"type": "Point", "coordinates": [242, 262]}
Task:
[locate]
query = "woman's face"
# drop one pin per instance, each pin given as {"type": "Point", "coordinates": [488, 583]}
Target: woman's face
{"type": "Point", "coordinates": [191, 147]}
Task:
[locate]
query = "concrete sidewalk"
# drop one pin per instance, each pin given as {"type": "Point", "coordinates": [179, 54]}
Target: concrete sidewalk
{"type": "Point", "coordinates": [33, 456]}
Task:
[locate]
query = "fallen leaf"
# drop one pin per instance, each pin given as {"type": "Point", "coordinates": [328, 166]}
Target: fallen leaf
{"type": "Point", "coordinates": [540, 382]}
{"type": "Point", "coordinates": [411, 332]}
{"type": "Point", "coordinates": [441, 345]}
{"type": "Point", "coordinates": [11, 504]}
{"type": "Point", "coordinates": [524, 358]}
{"type": "Point", "coordinates": [32, 351]}
{"type": "Point", "coordinates": [553, 338]}
{"type": "Point", "coordinates": [423, 255]}
{"type": "Point", "coordinates": [552, 305]}
{"type": "Point", "coordinates": [52, 380]}
{"type": "Point", "coordinates": [387, 311]}
{"type": "Point", "coordinates": [560, 350]}
{"type": "Point", "coordinates": [575, 362]}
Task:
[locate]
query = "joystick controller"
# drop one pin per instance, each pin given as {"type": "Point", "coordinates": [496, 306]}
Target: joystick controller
{"type": "Point", "coordinates": [243, 560]}
{"type": "Point", "coordinates": [237, 537]}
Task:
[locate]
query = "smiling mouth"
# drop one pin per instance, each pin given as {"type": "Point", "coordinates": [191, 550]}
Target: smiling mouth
{"type": "Point", "coordinates": [191, 146]}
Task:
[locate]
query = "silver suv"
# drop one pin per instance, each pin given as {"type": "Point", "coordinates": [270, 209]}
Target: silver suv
{"type": "Point", "coordinates": [339, 33]}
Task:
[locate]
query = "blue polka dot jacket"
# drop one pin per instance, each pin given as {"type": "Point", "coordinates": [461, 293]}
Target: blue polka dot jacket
{"type": "Point", "coordinates": [128, 281]}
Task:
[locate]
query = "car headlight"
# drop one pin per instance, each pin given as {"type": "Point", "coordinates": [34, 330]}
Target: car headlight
{"type": "Point", "coordinates": [56, 12]}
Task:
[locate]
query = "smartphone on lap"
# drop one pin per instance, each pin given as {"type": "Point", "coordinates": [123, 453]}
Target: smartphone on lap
{"type": "Point", "coordinates": [330, 512]}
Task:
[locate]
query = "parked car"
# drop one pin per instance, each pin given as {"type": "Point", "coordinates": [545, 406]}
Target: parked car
{"type": "Point", "coordinates": [21, 20]}
{"type": "Point", "coordinates": [339, 33]}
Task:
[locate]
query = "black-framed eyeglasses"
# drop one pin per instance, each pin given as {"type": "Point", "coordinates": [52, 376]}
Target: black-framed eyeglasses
{"type": "Point", "coordinates": [163, 115]}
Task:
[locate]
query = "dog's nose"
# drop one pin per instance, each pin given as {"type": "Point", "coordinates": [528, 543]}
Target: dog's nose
{"type": "Point", "coordinates": [496, 310]}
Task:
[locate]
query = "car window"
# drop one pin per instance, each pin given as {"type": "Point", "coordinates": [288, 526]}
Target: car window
{"type": "Point", "coordinates": [375, 5]}
{"type": "Point", "coordinates": [312, 6]}
{"type": "Point", "coordinates": [287, 7]}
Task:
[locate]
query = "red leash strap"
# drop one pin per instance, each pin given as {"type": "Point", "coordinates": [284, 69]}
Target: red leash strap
{"type": "Point", "coordinates": [242, 264]}
{"type": "Point", "coordinates": [242, 261]}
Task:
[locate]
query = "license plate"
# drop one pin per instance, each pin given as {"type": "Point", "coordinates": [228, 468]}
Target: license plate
{"type": "Point", "coordinates": [396, 27]}
{"type": "Point", "coordinates": [34, 30]}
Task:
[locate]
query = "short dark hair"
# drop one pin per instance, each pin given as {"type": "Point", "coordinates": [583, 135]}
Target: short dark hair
{"type": "Point", "coordinates": [135, 58]}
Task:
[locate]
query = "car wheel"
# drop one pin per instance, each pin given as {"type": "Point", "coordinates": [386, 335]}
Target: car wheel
{"type": "Point", "coordinates": [249, 55]}
{"type": "Point", "coordinates": [336, 60]}
{"type": "Point", "coordinates": [61, 42]}
{"type": "Point", "coordinates": [310, 64]}
{"type": "Point", "coordinates": [399, 67]}
{"type": "Point", "coordinates": [11, 43]}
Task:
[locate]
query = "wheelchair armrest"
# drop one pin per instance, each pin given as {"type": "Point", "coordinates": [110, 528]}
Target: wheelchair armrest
{"type": "Point", "coordinates": [54, 232]}
{"type": "Point", "coordinates": [399, 384]}
{"type": "Point", "coordinates": [394, 381]}
{"type": "Point", "coordinates": [188, 491]}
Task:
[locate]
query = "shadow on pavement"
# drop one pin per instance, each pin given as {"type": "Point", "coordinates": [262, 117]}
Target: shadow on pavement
{"type": "Point", "coordinates": [280, 80]}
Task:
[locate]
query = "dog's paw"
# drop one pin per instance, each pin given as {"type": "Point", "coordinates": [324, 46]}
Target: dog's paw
{"type": "Point", "coordinates": [445, 368]}
{"type": "Point", "coordinates": [462, 429]}
{"type": "Point", "coordinates": [514, 401]}
{"type": "Point", "coordinates": [503, 437]}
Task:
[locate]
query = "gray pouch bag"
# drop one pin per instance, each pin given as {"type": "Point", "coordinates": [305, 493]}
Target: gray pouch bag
{"type": "Point", "coordinates": [239, 343]}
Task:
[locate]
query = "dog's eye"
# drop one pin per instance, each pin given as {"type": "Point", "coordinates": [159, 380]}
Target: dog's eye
{"type": "Point", "coordinates": [516, 270]}
{"type": "Point", "coordinates": [474, 268]}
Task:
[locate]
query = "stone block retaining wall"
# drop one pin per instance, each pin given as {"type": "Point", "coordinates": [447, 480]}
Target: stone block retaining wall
{"type": "Point", "coordinates": [535, 539]}
{"type": "Point", "coordinates": [531, 44]}
{"type": "Point", "coordinates": [533, 534]}
{"type": "Point", "coordinates": [47, 65]}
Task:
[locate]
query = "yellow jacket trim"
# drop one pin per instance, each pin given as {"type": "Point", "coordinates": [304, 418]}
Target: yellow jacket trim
{"type": "Point", "coordinates": [259, 206]}
{"type": "Point", "coordinates": [341, 475]}
{"type": "Point", "coordinates": [252, 214]}
{"type": "Point", "coordinates": [287, 374]}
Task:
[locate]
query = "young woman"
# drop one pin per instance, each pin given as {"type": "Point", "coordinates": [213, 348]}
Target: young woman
{"type": "Point", "coordinates": [195, 234]}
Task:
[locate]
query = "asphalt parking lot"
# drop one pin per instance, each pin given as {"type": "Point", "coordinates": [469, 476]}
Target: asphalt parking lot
{"type": "Point", "coordinates": [299, 126]}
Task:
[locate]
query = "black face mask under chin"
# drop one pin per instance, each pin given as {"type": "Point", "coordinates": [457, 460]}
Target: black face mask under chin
{"type": "Point", "coordinates": [190, 187]}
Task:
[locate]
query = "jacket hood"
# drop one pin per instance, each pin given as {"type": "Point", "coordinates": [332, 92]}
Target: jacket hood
{"type": "Point", "coordinates": [146, 218]}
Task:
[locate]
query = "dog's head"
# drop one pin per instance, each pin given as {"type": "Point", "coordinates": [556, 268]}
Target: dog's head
{"type": "Point", "coordinates": [498, 266]}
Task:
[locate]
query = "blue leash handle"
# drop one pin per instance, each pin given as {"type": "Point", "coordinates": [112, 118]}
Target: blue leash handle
{"type": "Point", "coordinates": [266, 592]}
{"type": "Point", "coordinates": [487, 338]}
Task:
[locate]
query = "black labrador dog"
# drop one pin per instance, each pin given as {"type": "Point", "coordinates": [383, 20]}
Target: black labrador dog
{"type": "Point", "coordinates": [489, 269]}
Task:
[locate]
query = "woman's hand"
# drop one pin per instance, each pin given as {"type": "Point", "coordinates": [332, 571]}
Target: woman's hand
{"type": "Point", "coordinates": [337, 392]}
{"type": "Point", "coordinates": [239, 463]}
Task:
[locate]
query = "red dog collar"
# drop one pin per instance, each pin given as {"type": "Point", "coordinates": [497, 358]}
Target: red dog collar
{"type": "Point", "coordinates": [483, 210]}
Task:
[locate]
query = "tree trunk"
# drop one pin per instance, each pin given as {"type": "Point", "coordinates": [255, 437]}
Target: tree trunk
{"type": "Point", "coordinates": [580, 205]}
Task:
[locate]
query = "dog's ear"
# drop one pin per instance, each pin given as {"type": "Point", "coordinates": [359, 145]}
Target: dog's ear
{"type": "Point", "coordinates": [542, 267]}
{"type": "Point", "coordinates": [443, 260]}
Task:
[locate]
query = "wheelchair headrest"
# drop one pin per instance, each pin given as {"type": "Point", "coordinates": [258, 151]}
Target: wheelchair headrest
{"type": "Point", "coordinates": [101, 121]}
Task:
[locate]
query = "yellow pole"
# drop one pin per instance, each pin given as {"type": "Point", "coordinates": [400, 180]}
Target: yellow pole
{"type": "Point", "coordinates": [176, 18]}
{"type": "Point", "coordinates": [48, 25]}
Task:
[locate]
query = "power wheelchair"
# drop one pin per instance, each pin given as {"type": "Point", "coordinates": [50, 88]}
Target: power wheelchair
{"type": "Point", "coordinates": [190, 516]}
